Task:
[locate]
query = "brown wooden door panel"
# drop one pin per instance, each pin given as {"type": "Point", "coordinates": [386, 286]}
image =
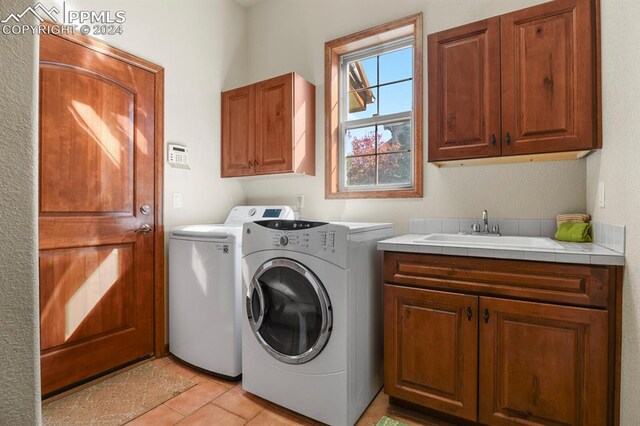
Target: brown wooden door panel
{"type": "Point", "coordinates": [274, 125]}
{"type": "Point", "coordinates": [238, 127]}
{"type": "Point", "coordinates": [431, 349]}
{"type": "Point", "coordinates": [464, 91]}
{"type": "Point", "coordinates": [101, 112]}
{"type": "Point", "coordinates": [97, 167]}
{"type": "Point", "coordinates": [78, 283]}
{"type": "Point", "coordinates": [542, 364]}
{"type": "Point", "coordinates": [548, 76]}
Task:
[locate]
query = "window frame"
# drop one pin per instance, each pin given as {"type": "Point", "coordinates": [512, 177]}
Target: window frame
{"type": "Point", "coordinates": [405, 28]}
{"type": "Point", "coordinates": [373, 121]}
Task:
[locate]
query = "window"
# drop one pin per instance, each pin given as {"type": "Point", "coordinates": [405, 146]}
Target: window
{"type": "Point", "coordinates": [374, 112]}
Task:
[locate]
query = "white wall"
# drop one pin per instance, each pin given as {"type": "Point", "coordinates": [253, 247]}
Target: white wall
{"type": "Point", "coordinates": [202, 46]}
{"type": "Point", "coordinates": [19, 335]}
{"type": "Point", "coordinates": [289, 35]}
{"type": "Point", "coordinates": [617, 165]}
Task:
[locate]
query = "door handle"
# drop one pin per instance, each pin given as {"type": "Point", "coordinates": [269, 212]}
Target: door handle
{"type": "Point", "coordinates": [255, 323]}
{"type": "Point", "coordinates": [145, 229]}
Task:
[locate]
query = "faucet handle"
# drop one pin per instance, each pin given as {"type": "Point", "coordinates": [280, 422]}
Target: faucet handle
{"type": "Point", "coordinates": [495, 229]}
{"type": "Point", "coordinates": [475, 227]}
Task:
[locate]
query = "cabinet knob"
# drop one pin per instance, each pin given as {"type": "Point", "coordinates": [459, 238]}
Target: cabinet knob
{"type": "Point", "coordinates": [250, 164]}
{"type": "Point", "coordinates": [508, 139]}
{"type": "Point", "coordinates": [255, 163]}
{"type": "Point", "coordinates": [469, 313]}
{"type": "Point", "coordinates": [493, 139]}
{"type": "Point", "coordinates": [486, 315]}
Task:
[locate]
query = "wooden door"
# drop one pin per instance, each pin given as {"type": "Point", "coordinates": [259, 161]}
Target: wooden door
{"type": "Point", "coordinates": [274, 125]}
{"type": "Point", "coordinates": [548, 78]}
{"type": "Point", "coordinates": [542, 364]}
{"type": "Point", "coordinates": [97, 139]}
{"type": "Point", "coordinates": [464, 92]}
{"type": "Point", "coordinates": [431, 349]}
{"type": "Point", "coordinates": [238, 127]}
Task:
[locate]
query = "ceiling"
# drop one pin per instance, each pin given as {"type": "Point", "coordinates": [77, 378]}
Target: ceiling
{"type": "Point", "coordinates": [248, 3]}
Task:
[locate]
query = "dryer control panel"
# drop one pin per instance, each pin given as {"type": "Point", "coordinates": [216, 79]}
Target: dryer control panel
{"type": "Point", "coordinates": [321, 239]}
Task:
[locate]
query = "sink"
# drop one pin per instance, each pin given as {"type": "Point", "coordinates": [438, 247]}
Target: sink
{"type": "Point", "coordinates": [488, 241]}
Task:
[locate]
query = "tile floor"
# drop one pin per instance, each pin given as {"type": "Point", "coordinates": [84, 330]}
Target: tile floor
{"type": "Point", "coordinates": [214, 401]}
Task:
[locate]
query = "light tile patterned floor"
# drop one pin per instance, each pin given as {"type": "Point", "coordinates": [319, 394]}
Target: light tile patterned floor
{"type": "Point", "coordinates": [218, 402]}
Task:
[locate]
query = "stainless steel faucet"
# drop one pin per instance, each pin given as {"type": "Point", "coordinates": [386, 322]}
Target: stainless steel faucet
{"type": "Point", "coordinates": [495, 229]}
{"type": "Point", "coordinates": [485, 221]}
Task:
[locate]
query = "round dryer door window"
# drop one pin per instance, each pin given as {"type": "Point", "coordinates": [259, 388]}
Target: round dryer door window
{"type": "Point", "coordinates": [289, 311]}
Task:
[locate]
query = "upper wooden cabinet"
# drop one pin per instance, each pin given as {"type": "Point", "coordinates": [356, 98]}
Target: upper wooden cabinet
{"type": "Point", "coordinates": [464, 91]}
{"type": "Point", "coordinates": [269, 127]}
{"type": "Point", "coordinates": [518, 84]}
{"type": "Point", "coordinates": [238, 118]}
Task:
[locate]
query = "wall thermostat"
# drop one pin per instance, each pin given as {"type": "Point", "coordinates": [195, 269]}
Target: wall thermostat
{"type": "Point", "coordinates": [178, 156]}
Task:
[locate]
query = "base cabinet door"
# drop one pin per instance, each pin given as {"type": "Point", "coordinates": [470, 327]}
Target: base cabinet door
{"type": "Point", "coordinates": [431, 352]}
{"type": "Point", "coordinates": [542, 364]}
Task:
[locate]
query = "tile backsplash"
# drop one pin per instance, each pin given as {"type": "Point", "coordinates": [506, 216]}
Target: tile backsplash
{"type": "Point", "coordinates": [609, 235]}
{"type": "Point", "coordinates": [604, 234]}
{"type": "Point", "coordinates": [529, 228]}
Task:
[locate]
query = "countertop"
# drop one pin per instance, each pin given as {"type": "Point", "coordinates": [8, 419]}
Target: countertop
{"type": "Point", "coordinates": [583, 253]}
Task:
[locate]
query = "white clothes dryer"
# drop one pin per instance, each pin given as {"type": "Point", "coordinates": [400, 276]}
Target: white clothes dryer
{"type": "Point", "coordinates": [205, 290]}
{"type": "Point", "coordinates": [312, 322]}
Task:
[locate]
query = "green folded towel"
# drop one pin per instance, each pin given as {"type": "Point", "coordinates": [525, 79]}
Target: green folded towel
{"type": "Point", "coordinates": [574, 232]}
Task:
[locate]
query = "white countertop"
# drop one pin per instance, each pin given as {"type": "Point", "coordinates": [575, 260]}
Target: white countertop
{"type": "Point", "coordinates": [584, 253]}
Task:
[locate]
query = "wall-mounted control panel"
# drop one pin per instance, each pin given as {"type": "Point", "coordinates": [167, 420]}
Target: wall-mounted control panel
{"type": "Point", "coordinates": [178, 156]}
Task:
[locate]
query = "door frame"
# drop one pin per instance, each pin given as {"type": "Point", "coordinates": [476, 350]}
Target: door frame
{"type": "Point", "coordinates": [160, 348]}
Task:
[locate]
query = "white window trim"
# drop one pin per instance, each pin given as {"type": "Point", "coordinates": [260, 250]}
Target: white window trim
{"type": "Point", "coordinates": [375, 120]}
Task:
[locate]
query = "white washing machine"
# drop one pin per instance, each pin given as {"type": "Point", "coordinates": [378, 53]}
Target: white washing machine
{"type": "Point", "coordinates": [205, 290]}
{"type": "Point", "coordinates": [312, 320]}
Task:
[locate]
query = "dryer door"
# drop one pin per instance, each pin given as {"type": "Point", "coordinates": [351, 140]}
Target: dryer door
{"type": "Point", "coordinates": [289, 311]}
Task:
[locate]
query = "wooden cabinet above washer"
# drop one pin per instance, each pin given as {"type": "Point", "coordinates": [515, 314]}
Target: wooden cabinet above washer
{"type": "Point", "coordinates": [269, 128]}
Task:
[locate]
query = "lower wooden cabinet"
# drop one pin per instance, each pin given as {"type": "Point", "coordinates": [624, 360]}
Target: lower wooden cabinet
{"type": "Point", "coordinates": [431, 349]}
{"type": "Point", "coordinates": [499, 360]}
{"type": "Point", "coordinates": [542, 364]}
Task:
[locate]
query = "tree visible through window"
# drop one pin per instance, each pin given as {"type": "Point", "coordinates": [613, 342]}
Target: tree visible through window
{"type": "Point", "coordinates": [393, 143]}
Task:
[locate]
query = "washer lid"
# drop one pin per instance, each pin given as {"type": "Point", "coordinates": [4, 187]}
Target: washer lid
{"type": "Point", "coordinates": [214, 232]}
{"type": "Point", "coordinates": [357, 227]}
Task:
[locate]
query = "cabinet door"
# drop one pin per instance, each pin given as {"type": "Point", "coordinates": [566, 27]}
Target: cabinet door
{"type": "Point", "coordinates": [274, 125]}
{"type": "Point", "coordinates": [542, 364]}
{"type": "Point", "coordinates": [430, 349]}
{"type": "Point", "coordinates": [548, 78]}
{"type": "Point", "coordinates": [464, 92]}
{"type": "Point", "coordinates": [238, 115]}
